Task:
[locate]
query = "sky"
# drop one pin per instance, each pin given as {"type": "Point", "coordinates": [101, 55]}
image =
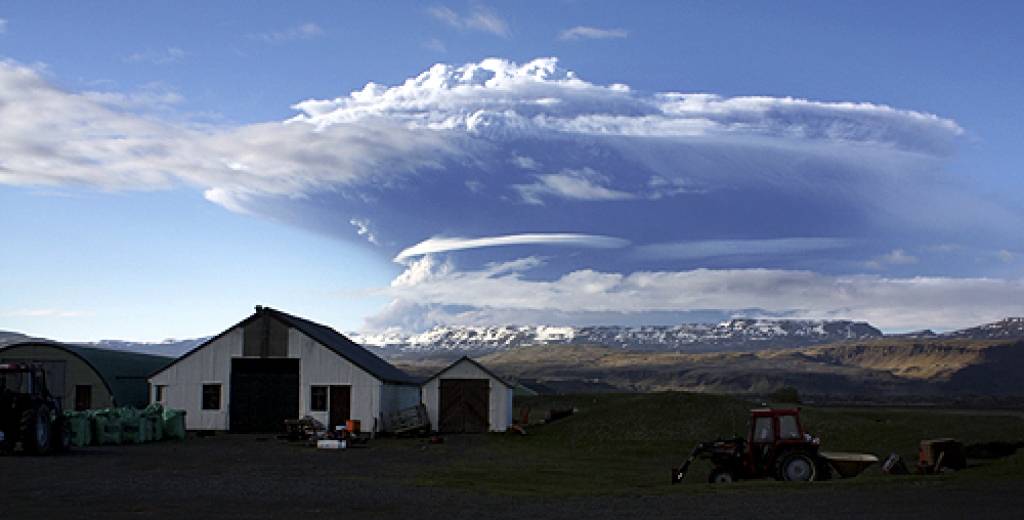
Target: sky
{"type": "Point", "coordinates": [164, 167]}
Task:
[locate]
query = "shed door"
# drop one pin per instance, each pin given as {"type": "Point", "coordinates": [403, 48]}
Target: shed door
{"type": "Point", "coordinates": [340, 405]}
{"type": "Point", "coordinates": [464, 406]}
{"type": "Point", "coordinates": [264, 392]}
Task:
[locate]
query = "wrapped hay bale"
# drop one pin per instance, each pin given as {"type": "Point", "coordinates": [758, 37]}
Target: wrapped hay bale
{"type": "Point", "coordinates": [106, 427]}
{"type": "Point", "coordinates": [132, 431]}
{"type": "Point", "coordinates": [174, 424]}
{"type": "Point", "coordinates": [81, 428]}
{"type": "Point", "coordinates": [154, 417]}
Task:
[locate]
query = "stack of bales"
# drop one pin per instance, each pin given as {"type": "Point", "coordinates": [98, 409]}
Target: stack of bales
{"type": "Point", "coordinates": [112, 426]}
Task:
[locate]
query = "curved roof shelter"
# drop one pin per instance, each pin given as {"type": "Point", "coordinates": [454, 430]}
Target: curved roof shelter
{"type": "Point", "coordinates": [89, 377]}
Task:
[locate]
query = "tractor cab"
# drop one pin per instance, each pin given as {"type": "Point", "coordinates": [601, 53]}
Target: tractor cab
{"type": "Point", "coordinates": [29, 414]}
{"type": "Point", "coordinates": [773, 430]}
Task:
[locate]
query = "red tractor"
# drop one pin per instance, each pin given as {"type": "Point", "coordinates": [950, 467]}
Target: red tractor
{"type": "Point", "coordinates": [29, 414]}
{"type": "Point", "coordinates": [777, 446]}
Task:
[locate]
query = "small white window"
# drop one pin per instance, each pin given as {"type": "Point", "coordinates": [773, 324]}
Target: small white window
{"type": "Point", "coordinates": [161, 392]}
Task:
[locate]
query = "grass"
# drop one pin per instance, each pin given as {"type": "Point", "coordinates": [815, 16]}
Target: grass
{"type": "Point", "coordinates": [626, 444]}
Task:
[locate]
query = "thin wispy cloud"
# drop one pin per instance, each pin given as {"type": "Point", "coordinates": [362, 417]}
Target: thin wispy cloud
{"type": "Point", "coordinates": [754, 247]}
{"type": "Point", "coordinates": [583, 32]}
{"type": "Point", "coordinates": [45, 313]}
{"type": "Point", "coordinates": [3, 26]}
{"type": "Point", "coordinates": [435, 45]}
{"type": "Point", "coordinates": [583, 184]}
{"type": "Point", "coordinates": [446, 244]}
{"type": "Point", "coordinates": [160, 57]}
{"type": "Point", "coordinates": [894, 257]}
{"type": "Point", "coordinates": [479, 18]}
{"type": "Point", "coordinates": [364, 230]}
{"type": "Point", "coordinates": [306, 31]}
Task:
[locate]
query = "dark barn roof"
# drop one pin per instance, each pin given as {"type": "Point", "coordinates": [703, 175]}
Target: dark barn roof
{"type": "Point", "coordinates": [124, 373]}
{"type": "Point", "coordinates": [475, 363]}
{"type": "Point", "coordinates": [326, 336]}
{"type": "Point", "coordinates": [346, 348]}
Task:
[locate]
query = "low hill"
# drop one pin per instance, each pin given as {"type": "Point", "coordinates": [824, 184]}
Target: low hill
{"type": "Point", "coordinates": [890, 367]}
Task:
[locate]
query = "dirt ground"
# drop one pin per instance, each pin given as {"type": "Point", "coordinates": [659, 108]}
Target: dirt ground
{"type": "Point", "coordinates": [235, 476]}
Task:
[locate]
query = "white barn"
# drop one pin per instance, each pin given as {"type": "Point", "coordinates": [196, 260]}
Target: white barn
{"type": "Point", "coordinates": [466, 397]}
{"type": "Point", "coordinates": [274, 366]}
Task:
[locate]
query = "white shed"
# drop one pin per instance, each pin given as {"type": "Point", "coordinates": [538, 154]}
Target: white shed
{"type": "Point", "coordinates": [274, 366]}
{"type": "Point", "coordinates": [466, 397]}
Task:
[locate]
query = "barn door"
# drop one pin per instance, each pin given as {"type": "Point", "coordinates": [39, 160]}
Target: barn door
{"type": "Point", "coordinates": [464, 406]}
{"type": "Point", "coordinates": [340, 406]}
{"type": "Point", "coordinates": [264, 393]}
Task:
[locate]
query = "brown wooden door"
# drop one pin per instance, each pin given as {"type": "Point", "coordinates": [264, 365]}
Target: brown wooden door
{"type": "Point", "coordinates": [464, 406]}
{"type": "Point", "coordinates": [340, 405]}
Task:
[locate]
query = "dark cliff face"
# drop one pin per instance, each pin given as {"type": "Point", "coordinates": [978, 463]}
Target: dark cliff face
{"type": "Point", "coordinates": [1000, 371]}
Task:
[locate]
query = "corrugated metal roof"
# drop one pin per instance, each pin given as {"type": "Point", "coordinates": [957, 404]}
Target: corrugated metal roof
{"type": "Point", "coordinates": [346, 348]}
{"type": "Point", "coordinates": [474, 363]}
{"type": "Point", "coordinates": [124, 373]}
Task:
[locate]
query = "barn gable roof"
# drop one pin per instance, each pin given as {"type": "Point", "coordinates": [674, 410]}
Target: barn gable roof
{"type": "Point", "coordinates": [326, 336]}
{"type": "Point", "coordinates": [123, 373]}
{"type": "Point", "coordinates": [346, 348]}
{"type": "Point", "coordinates": [476, 364]}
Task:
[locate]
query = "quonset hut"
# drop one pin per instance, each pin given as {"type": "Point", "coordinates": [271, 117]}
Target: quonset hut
{"type": "Point", "coordinates": [88, 377]}
{"type": "Point", "coordinates": [274, 366]}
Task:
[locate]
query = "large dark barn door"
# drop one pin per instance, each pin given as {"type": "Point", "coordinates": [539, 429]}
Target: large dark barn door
{"type": "Point", "coordinates": [341, 406]}
{"type": "Point", "coordinates": [464, 406]}
{"type": "Point", "coordinates": [264, 392]}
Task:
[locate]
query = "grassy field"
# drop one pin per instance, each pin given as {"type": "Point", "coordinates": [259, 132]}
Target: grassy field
{"type": "Point", "coordinates": [626, 444]}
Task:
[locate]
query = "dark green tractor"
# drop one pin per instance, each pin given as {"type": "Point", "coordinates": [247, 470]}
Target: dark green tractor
{"type": "Point", "coordinates": [29, 414]}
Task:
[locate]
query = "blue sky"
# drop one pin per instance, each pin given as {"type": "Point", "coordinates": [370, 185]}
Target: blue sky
{"type": "Point", "coordinates": [572, 162]}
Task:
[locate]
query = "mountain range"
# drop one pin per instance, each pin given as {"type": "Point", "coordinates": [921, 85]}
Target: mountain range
{"type": "Point", "coordinates": [737, 335]}
{"type": "Point", "coordinates": [750, 356]}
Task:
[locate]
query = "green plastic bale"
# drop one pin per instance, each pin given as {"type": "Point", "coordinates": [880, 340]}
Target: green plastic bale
{"type": "Point", "coordinates": [132, 431]}
{"type": "Point", "coordinates": [174, 424]}
{"type": "Point", "coordinates": [156, 427]}
{"type": "Point", "coordinates": [81, 428]}
{"type": "Point", "coordinates": [154, 417]}
{"type": "Point", "coordinates": [107, 427]}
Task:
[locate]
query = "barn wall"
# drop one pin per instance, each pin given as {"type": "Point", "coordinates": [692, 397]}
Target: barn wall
{"type": "Point", "coordinates": [322, 366]}
{"type": "Point", "coordinates": [499, 404]}
{"type": "Point", "coordinates": [76, 372]}
{"type": "Point", "coordinates": [184, 381]}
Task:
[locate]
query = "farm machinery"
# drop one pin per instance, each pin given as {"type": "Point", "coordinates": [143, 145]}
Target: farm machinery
{"type": "Point", "coordinates": [777, 446]}
{"type": "Point", "coordinates": [29, 414]}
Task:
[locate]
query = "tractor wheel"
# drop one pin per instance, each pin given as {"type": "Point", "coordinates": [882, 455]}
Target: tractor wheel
{"type": "Point", "coordinates": [721, 476]}
{"type": "Point", "coordinates": [797, 466]}
{"type": "Point", "coordinates": [36, 430]}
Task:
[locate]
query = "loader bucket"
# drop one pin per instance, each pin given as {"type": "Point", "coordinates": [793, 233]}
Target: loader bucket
{"type": "Point", "coordinates": [849, 465]}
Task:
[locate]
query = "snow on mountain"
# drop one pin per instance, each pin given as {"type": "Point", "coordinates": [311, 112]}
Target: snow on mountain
{"type": "Point", "coordinates": [737, 334]}
{"type": "Point", "coordinates": [1005, 328]}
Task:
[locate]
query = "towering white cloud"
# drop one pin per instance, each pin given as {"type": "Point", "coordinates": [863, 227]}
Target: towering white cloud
{"type": "Point", "coordinates": [497, 153]}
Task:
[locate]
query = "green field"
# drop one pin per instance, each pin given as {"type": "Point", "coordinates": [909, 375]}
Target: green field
{"type": "Point", "coordinates": [626, 444]}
